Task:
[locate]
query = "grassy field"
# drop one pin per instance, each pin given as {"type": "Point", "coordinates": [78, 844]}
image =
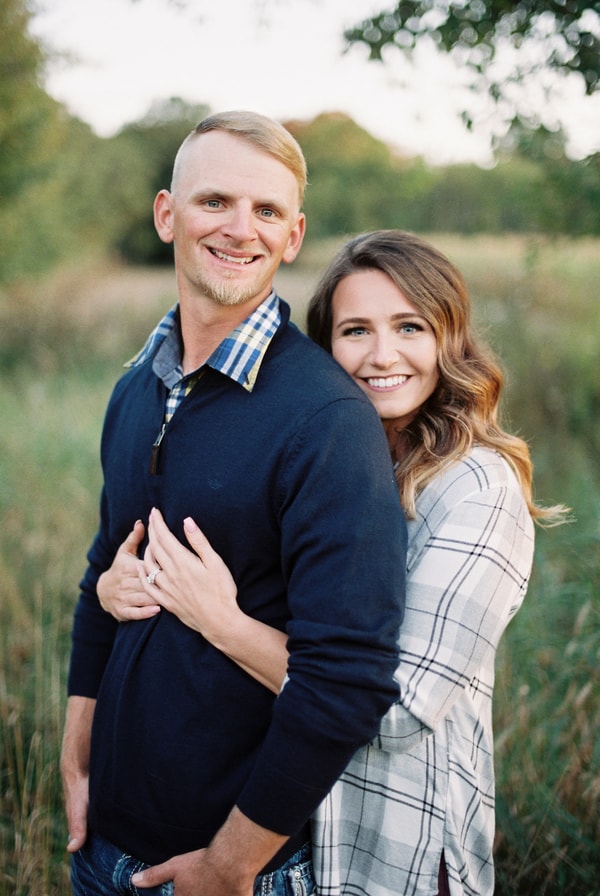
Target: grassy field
{"type": "Point", "coordinates": [61, 348]}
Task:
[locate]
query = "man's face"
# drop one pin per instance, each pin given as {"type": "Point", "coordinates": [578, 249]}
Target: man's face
{"type": "Point", "coordinates": [234, 216]}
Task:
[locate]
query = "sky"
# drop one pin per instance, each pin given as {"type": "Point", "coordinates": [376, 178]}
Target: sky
{"type": "Point", "coordinates": [111, 59]}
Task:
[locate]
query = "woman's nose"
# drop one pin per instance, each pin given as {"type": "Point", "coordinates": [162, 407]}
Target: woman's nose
{"type": "Point", "coordinates": [384, 352]}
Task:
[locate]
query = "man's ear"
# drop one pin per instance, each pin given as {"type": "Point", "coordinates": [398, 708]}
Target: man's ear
{"type": "Point", "coordinates": [295, 240]}
{"type": "Point", "coordinates": [163, 216]}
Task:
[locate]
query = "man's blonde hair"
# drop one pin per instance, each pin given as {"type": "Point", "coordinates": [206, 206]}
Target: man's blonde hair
{"type": "Point", "coordinates": [263, 132]}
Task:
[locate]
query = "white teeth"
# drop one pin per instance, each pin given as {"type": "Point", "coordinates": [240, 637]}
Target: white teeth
{"type": "Point", "coordinates": [386, 382]}
{"type": "Point", "coordinates": [226, 257]}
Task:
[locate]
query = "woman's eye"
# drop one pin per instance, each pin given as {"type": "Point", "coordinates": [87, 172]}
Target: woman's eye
{"type": "Point", "coordinates": [355, 331]}
{"type": "Point", "coordinates": [409, 329]}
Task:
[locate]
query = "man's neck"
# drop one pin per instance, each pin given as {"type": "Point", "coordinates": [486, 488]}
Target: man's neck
{"type": "Point", "coordinates": [205, 324]}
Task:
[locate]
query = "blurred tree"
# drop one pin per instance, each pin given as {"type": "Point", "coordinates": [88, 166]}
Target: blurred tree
{"type": "Point", "coordinates": [344, 162]}
{"type": "Point", "coordinates": [153, 140]}
{"type": "Point", "coordinates": [557, 36]}
{"type": "Point", "coordinates": [355, 181]}
{"type": "Point", "coordinates": [461, 198]}
{"type": "Point", "coordinates": [563, 195]}
{"type": "Point", "coordinates": [21, 100]}
{"type": "Point", "coordinates": [30, 129]}
{"type": "Point", "coordinates": [52, 206]}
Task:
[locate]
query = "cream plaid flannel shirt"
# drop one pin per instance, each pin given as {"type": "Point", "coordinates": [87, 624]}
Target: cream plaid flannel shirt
{"type": "Point", "coordinates": [427, 782]}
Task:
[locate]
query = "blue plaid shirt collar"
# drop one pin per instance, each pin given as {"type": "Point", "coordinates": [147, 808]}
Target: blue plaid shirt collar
{"type": "Point", "coordinates": [238, 356]}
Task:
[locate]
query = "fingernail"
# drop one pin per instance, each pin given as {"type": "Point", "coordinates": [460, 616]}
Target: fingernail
{"type": "Point", "coordinates": [189, 524]}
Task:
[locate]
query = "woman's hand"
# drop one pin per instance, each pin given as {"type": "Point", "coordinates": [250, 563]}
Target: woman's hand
{"type": "Point", "coordinates": [198, 588]}
{"type": "Point", "coordinates": [119, 590]}
{"type": "Point", "coordinates": [195, 585]}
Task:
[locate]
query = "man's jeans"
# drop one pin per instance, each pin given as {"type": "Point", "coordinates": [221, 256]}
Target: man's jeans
{"type": "Point", "coordinates": [101, 869]}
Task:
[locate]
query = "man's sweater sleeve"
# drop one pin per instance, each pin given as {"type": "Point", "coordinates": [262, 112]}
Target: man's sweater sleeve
{"type": "Point", "coordinates": [93, 629]}
{"type": "Point", "coordinates": [344, 558]}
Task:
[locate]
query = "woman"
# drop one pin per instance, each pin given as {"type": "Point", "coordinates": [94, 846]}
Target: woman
{"type": "Point", "coordinates": [414, 810]}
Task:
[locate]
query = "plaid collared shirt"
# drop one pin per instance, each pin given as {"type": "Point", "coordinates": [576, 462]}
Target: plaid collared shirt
{"type": "Point", "coordinates": [426, 784]}
{"type": "Point", "coordinates": [238, 356]}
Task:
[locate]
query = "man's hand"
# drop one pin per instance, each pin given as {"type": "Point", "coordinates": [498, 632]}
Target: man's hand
{"type": "Point", "coordinates": [228, 867]}
{"type": "Point", "coordinates": [76, 807]}
{"type": "Point", "coordinates": [119, 589]}
{"type": "Point", "coordinates": [74, 764]}
{"type": "Point", "coordinates": [193, 874]}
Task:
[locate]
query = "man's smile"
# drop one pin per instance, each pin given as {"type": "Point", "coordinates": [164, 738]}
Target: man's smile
{"type": "Point", "coordinates": [242, 259]}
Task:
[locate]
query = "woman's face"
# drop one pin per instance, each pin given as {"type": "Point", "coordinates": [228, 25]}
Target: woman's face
{"type": "Point", "coordinates": [386, 346]}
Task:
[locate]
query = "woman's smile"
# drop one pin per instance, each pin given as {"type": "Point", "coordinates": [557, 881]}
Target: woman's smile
{"type": "Point", "coordinates": [385, 382]}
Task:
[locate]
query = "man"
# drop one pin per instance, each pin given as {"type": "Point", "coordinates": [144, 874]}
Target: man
{"type": "Point", "coordinates": [231, 416]}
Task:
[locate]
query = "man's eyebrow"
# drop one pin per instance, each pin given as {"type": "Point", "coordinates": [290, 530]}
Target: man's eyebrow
{"type": "Point", "coordinates": [207, 193]}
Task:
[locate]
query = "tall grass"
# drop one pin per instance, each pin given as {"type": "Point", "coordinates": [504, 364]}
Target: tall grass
{"type": "Point", "coordinates": [61, 348]}
{"type": "Point", "coordinates": [48, 475]}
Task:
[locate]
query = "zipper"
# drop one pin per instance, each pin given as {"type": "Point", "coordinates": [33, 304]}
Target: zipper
{"type": "Point", "coordinates": [155, 456]}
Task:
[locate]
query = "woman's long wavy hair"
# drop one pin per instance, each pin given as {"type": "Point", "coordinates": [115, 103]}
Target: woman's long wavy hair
{"type": "Point", "coordinates": [463, 409]}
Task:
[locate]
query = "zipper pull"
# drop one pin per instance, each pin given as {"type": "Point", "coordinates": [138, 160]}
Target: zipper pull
{"type": "Point", "coordinates": [154, 457]}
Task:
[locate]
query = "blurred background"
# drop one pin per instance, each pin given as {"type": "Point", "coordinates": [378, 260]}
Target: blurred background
{"type": "Point", "coordinates": [478, 128]}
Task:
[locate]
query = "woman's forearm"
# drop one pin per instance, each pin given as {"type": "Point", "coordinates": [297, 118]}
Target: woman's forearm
{"type": "Point", "coordinates": [257, 648]}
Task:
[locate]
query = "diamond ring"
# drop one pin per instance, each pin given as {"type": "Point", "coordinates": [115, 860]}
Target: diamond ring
{"type": "Point", "coordinates": [152, 577]}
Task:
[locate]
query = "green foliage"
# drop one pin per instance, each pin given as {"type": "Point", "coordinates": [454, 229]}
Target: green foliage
{"type": "Point", "coordinates": [356, 183]}
{"type": "Point", "coordinates": [556, 36]}
{"type": "Point", "coordinates": [353, 178]}
{"type": "Point", "coordinates": [20, 96]}
{"type": "Point", "coordinates": [152, 142]}
{"type": "Point", "coordinates": [548, 826]}
{"type": "Point", "coordinates": [48, 468]}
{"type": "Point", "coordinates": [65, 192]}
{"type": "Point", "coordinates": [29, 140]}
{"type": "Point", "coordinates": [58, 190]}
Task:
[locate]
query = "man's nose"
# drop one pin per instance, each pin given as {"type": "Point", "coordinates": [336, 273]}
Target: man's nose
{"type": "Point", "coordinates": [240, 224]}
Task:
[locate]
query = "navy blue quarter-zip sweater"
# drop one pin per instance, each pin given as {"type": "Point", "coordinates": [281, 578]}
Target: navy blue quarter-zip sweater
{"type": "Point", "coordinates": [292, 484]}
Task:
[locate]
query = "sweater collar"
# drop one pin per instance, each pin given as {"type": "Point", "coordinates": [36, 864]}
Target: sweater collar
{"type": "Point", "coordinates": [238, 356]}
